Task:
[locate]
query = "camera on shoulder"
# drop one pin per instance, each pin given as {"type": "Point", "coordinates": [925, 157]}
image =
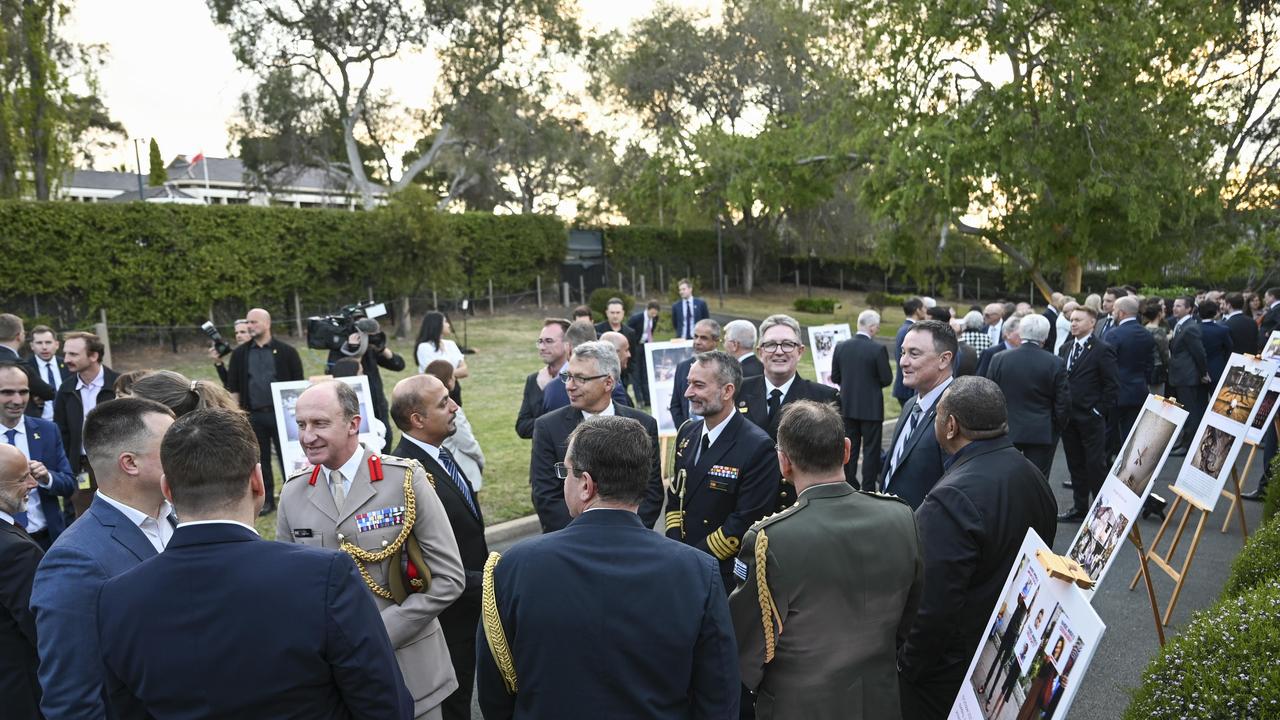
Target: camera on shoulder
{"type": "Point", "coordinates": [333, 332]}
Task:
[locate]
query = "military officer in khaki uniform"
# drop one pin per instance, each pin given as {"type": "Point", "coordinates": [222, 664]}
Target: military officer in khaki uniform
{"type": "Point", "coordinates": [383, 511]}
{"type": "Point", "coordinates": [827, 585]}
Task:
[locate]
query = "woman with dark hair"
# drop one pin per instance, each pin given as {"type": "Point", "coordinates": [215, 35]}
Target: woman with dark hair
{"type": "Point", "coordinates": [180, 394]}
{"type": "Point", "coordinates": [434, 345]}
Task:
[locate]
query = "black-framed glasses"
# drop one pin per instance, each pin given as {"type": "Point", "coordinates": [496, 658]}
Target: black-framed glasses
{"type": "Point", "coordinates": [786, 346]}
{"type": "Point", "coordinates": [580, 379]}
{"type": "Point", "coordinates": [563, 471]}
{"type": "Point", "coordinates": [547, 341]}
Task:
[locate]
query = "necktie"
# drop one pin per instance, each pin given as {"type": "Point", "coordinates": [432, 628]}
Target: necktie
{"type": "Point", "coordinates": [775, 399]}
{"type": "Point", "coordinates": [1076, 352]}
{"type": "Point", "coordinates": [19, 518]}
{"type": "Point", "coordinates": [336, 485]}
{"type": "Point", "coordinates": [912, 420]}
{"type": "Point", "coordinates": [10, 436]}
{"type": "Point", "coordinates": [446, 462]}
{"type": "Point", "coordinates": [688, 319]}
{"type": "Point", "coordinates": [648, 328]}
{"type": "Point", "coordinates": [702, 448]}
{"type": "Point", "coordinates": [48, 375]}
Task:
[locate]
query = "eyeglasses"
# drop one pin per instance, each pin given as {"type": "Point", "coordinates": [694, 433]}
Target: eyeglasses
{"type": "Point", "coordinates": [785, 346]}
{"type": "Point", "coordinates": [563, 471]}
{"type": "Point", "coordinates": [580, 379]}
{"type": "Point", "coordinates": [547, 341]}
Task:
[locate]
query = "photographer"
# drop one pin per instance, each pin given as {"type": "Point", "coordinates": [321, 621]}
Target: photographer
{"type": "Point", "coordinates": [369, 344]}
{"type": "Point", "coordinates": [219, 348]}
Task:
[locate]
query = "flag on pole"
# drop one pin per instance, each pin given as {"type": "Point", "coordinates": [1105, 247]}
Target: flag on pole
{"type": "Point", "coordinates": [199, 158]}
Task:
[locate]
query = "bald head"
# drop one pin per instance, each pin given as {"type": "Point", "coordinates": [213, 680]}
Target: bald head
{"type": "Point", "coordinates": [621, 344]}
{"type": "Point", "coordinates": [422, 409]}
{"type": "Point", "coordinates": [259, 323]}
{"type": "Point", "coordinates": [993, 313]}
{"type": "Point", "coordinates": [1125, 307]}
{"type": "Point", "coordinates": [972, 408]}
{"type": "Point", "coordinates": [15, 479]}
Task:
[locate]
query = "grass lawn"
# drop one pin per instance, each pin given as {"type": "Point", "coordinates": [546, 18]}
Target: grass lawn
{"type": "Point", "coordinates": [504, 355]}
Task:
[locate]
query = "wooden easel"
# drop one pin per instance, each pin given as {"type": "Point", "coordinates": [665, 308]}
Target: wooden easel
{"type": "Point", "coordinates": [1064, 568]}
{"type": "Point", "coordinates": [1165, 562]}
{"type": "Point", "coordinates": [1233, 493]}
{"type": "Point", "coordinates": [1135, 537]}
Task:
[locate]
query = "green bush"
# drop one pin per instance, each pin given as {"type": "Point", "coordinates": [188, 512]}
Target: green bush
{"type": "Point", "coordinates": [1166, 293]}
{"type": "Point", "coordinates": [881, 300]}
{"type": "Point", "coordinates": [1226, 664]}
{"type": "Point", "coordinates": [818, 306]}
{"type": "Point", "coordinates": [598, 301]}
{"type": "Point", "coordinates": [1272, 503]}
{"type": "Point", "coordinates": [1257, 563]}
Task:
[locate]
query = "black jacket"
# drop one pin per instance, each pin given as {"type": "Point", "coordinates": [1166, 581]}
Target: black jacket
{"type": "Point", "coordinates": [753, 403]}
{"type": "Point", "coordinates": [679, 406]}
{"type": "Point", "coordinates": [1135, 361]}
{"type": "Point", "coordinates": [984, 358]}
{"type": "Point", "coordinates": [35, 408]}
{"type": "Point", "coordinates": [971, 527]}
{"type": "Point", "coordinates": [921, 464]}
{"type": "Point", "coordinates": [288, 368]}
{"type": "Point", "coordinates": [1093, 379]}
{"type": "Point", "coordinates": [68, 414]}
{"type": "Point", "coordinates": [860, 366]}
{"type": "Point", "coordinates": [1187, 359]}
{"type": "Point", "coordinates": [1034, 382]}
{"type": "Point", "coordinates": [1244, 334]}
{"type": "Point", "coordinates": [530, 406]}
{"type": "Point", "coordinates": [19, 686]}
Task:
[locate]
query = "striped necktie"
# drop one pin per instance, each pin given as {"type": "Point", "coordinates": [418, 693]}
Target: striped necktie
{"type": "Point", "coordinates": [446, 462]}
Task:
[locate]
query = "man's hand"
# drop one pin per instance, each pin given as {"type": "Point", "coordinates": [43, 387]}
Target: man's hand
{"type": "Point", "coordinates": [39, 472]}
{"type": "Point", "coordinates": [214, 356]}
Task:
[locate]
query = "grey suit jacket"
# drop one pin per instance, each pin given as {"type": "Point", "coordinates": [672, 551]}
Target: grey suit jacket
{"type": "Point", "coordinates": [1187, 360]}
{"type": "Point", "coordinates": [309, 516]}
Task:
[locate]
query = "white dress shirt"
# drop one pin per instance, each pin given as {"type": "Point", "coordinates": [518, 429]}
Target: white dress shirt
{"type": "Point", "coordinates": [158, 531]}
{"type": "Point", "coordinates": [36, 521]}
{"type": "Point", "coordinates": [219, 522]}
{"type": "Point", "coordinates": [607, 412]}
{"type": "Point", "coordinates": [44, 368]}
{"type": "Point", "coordinates": [89, 397]}
{"type": "Point", "coordinates": [785, 387]}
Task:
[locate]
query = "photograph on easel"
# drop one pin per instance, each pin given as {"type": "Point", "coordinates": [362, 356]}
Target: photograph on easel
{"type": "Point", "coordinates": [823, 340]}
{"type": "Point", "coordinates": [1266, 414]}
{"type": "Point", "coordinates": [1241, 385]}
{"type": "Point", "coordinates": [661, 361]}
{"type": "Point", "coordinates": [1148, 444]}
{"type": "Point", "coordinates": [1271, 351]}
{"type": "Point", "coordinates": [1035, 649]}
{"type": "Point", "coordinates": [1209, 451]}
{"type": "Point", "coordinates": [1103, 530]}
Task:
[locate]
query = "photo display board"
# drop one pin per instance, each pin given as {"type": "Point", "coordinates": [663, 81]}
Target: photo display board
{"type": "Point", "coordinates": [1266, 415]}
{"type": "Point", "coordinates": [661, 360]}
{"type": "Point", "coordinates": [822, 342]}
{"type": "Point", "coordinates": [284, 395]}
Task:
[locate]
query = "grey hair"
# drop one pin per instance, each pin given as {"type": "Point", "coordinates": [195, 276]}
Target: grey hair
{"type": "Point", "coordinates": [728, 369]}
{"type": "Point", "coordinates": [1034, 328]}
{"type": "Point", "coordinates": [605, 355]}
{"type": "Point", "coordinates": [868, 318]}
{"type": "Point", "coordinates": [787, 320]}
{"type": "Point", "coordinates": [973, 320]}
{"type": "Point", "coordinates": [709, 323]}
{"type": "Point", "coordinates": [348, 400]}
{"type": "Point", "coordinates": [741, 332]}
{"type": "Point", "coordinates": [1011, 325]}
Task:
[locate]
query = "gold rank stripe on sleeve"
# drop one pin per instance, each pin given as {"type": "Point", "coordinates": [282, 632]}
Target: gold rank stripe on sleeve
{"type": "Point", "coordinates": [721, 546]}
{"type": "Point", "coordinates": [493, 632]}
{"type": "Point", "coordinates": [674, 519]}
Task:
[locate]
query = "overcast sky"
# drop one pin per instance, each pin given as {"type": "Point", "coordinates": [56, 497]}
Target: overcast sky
{"type": "Point", "coordinates": [170, 73]}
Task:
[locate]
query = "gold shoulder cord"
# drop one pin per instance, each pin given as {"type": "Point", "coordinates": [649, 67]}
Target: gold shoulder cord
{"type": "Point", "coordinates": [768, 611]}
{"type": "Point", "coordinates": [493, 632]}
{"type": "Point", "coordinates": [364, 557]}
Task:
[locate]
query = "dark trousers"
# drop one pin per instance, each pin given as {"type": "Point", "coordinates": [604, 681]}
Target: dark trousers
{"type": "Point", "coordinates": [1195, 398]}
{"type": "Point", "coordinates": [264, 428]}
{"type": "Point", "coordinates": [639, 377]}
{"type": "Point", "coordinates": [864, 437]}
{"type": "Point", "coordinates": [1119, 422]}
{"type": "Point", "coordinates": [1040, 455]}
{"type": "Point", "coordinates": [1082, 443]}
{"type": "Point", "coordinates": [459, 624]}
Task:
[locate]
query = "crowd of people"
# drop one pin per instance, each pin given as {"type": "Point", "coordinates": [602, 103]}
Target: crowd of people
{"type": "Point", "coordinates": [791, 564]}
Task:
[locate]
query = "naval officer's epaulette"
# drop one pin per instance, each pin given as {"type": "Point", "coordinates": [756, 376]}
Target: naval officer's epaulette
{"type": "Point", "coordinates": [884, 496]}
{"type": "Point", "coordinates": [780, 515]}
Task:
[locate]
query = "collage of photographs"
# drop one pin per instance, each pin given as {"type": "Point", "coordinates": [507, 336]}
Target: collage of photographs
{"type": "Point", "coordinates": [823, 340]}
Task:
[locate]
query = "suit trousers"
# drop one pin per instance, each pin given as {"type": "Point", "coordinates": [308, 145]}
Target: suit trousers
{"type": "Point", "coordinates": [1119, 422]}
{"type": "Point", "coordinates": [864, 434]}
{"type": "Point", "coordinates": [1040, 455]}
{"type": "Point", "coordinates": [1081, 443]}
{"type": "Point", "coordinates": [1195, 398]}
{"type": "Point", "coordinates": [639, 378]}
{"type": "Point", "coordinates": [264, 428]}
{"type": "Point", "coordinates": [460, 636]}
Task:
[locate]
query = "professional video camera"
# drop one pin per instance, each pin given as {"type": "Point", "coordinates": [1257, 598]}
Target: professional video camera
{"type": "Point", "coordinates": [333, 332]}
{"type": "Point", "coordinates": [212, 331]}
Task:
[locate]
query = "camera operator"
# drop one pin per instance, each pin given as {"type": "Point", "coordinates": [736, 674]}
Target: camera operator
{"type": "Point", "coordinates": [216, 353]}
{"type": "Point", "coordinates": [254, 365]}
{"type": "Point", "coordinates": [369, 344]}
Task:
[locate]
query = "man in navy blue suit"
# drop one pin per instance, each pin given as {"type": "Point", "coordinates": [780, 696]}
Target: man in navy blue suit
{"type": "Point", "coordinates": [1216, 339]}
{"type": "Point", "coordinates": [47, 365]}
{"type": "Point", "coordinates": [40, 442]}
{"type": "Point", "coordinates": [1135, 361]}
{"type": "Point", "coordinates": [706, 337]}
{"type": "Point", "coordinates": [606, 618]}
{"type": "Point", "coordinates": [322, 651]}
{"type": "Point", "coordinates": [913, 309]}
{"type": "Point", "coordinates": [913, 463]}
{"type": "Point", "coordinates": [128, 521]}
{"type": "Point", "coordinates": [687, 311]}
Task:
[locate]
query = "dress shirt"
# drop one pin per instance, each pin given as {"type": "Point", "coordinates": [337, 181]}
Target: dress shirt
{"type": "Point", "coordinates": [1126, 320]}
{"type": "Point", "coordinates": [36, 520]}
{"type": "Point", "coordinates": [49, 368]}
{"type": "Point", "coordinates": [744, 356]}
{"type": "Point", "coordinates": [711, 435]}
{"type": "Point", "coordinates": [607, 412]}
{"type": "Point", "coordinates": [89, 396]}
{"type": "Point", "coordinates": [349, 470]}
{"type": "Point", "coordinates": [647, 336]}
{"type": "Point", "coordinates": [6, 517]}
{"type": "Point", "coordinates": [219, 522]}
{"type": "Point", "coordinates": [785, 387]}
{"type": "Point", "coordinates": [158, 532]}
{"type": "Point", "coordinates": [924, 402]}
{"type": "Point", "coordinates": [993, 332]}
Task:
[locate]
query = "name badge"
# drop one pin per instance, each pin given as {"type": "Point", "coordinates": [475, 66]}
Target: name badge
{"type": "Point", "coordinates": [303, 533]}
{"type": "Point", "coordinates": [377, 519]}
{"type": "Point", "coordinates": [720, 485]}
{"type": "Point", "coordinates": [82, 481]}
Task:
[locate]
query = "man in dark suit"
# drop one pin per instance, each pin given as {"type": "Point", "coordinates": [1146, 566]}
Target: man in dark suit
{"type": "Point", "coordinates": [706, 337]}
{"type": "Point", "coordinates": [593, 373]}
{"type": "Point", "coordinates": [1009, 338]}
{"type": "Point", "coordinates": [913, 310]}
{"type": "Point", "coordinates": [12, 336]}
{"type": "Point", "coordinates": [553, 351]}
{"type": "Point", "coordinates": [1188, 369]}
{"type": "Point", "coordinates": [39, 441]}
{"type": "Point", "coordinates": [1051, 314]}
{"type": "Point", "coordinates": [727, 473]}
{"type": "Point", "coordinates": [740, 341]}
{"type": "Point", "coordinates": [129, 521]}
{"type": "Point", "coordinates": [1217, 341]}
{"type": "Point", "coordinates": [606, 619]}
{"type": "Point", "coordinates": [1271, 318]}
{"type": "Point", "coordinates": [250, 371]}
{"type": "Point", "coordinates": [1034, 383]}
{"type": "Point", "coordinates": [1135, 362]}
{"type": "Point", "coordinates": [48, 366]}
{"type": "Point", "coordinates": [971, 526]}
{"type": "Point", "coordinates": [554, 395]}
{"type": "Point", "coordinates": [93, 384]}
{"type": "Point", "coordinates": [642, 324]}
{"type": "Point", "coordinates": [1091, 371]}
{"type": "Point", "coordinates": [321, 653]}
{"type": "Point", "coordinates": [861, 367]}
{"type": "Point", "coordinates": [19, 556]}
{"type": "Point", "coordinates": [422, 409]}
{"type": "Point", "coordinates": [615, 315]}
{"type": "Point", "coordinates": [913, 462]}
{"type": "Point", "coordinates": [688, 311]}
{"type": "Point", "coordinates": [1244, 331]}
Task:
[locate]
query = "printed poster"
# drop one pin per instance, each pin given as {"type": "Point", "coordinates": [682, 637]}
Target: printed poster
{"type": "Point", "coordinates": [823, 340]}
{"type": "Point", "coordinates": [285, 395]}
{"type": "Point", "coordinates": [662, 358]}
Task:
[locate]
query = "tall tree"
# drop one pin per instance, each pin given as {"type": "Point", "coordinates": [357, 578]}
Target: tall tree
{"type": "Point", "coordinates": [156, 174]}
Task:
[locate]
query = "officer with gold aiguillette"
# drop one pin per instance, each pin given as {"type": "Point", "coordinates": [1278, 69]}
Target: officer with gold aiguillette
{"type": "Point", "coordinates": [384, 513]}
{"type": "Point", "coordinates": [726, 471]}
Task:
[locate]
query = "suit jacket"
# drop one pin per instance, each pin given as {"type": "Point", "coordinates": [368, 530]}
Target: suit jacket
{"type": "Point", "coordinates": [1217, 347]}
{"type": "Point", "coordinates": [1135, 361]}
{"type": "Point", "coordinates": [844, 607]}
{"type": "Point", "coordinates": [95, 548]}
{"type": "Point", "coordinates": [1187, 360]}
{"type": "Point", "coordinates": [68, 414]}
{"type": "Point", "coordinates": [751, 366]}
{"type": "Point", "coordinates": [35, 408]}
{"type": "Point", "coordinates": [331, 659]}
{"type": "Point", "coordinates": [1244, 333]}
{"type": "Point", "coordinates": [531, 407]}
{"type": "Point", "coordinates": [681, 322]}
{"type": "Point", "coordinates": [288, 367]}
{"type": "Point", "coordinates": [1036, 393]}
{"type": "Point", "coordinates": [608, 599]}
{"type": "Point", "coordinates": [40, 390]}
{"type": "Point", "coordinates": [679, 406]}
{"type": "Point", "coordinates": [19, 685]}
{"type": "Point", "coordinates": [636, 323]}
{"type": "Point", "coordinates": [308, 515]}
{"type": "Point", "coordinates": [555, 396]}
{"type": "Point", "coordinates": [1051, 314]}
{"type": "Point", "coordinates": [984, 358]}
{"type": "Point", "coordinates": [900, 391]}
{"type": "Point", "coordinates": [966, 362]}
{"type": "Point", "coordinates": [45, 445]}
{"type": "Point", "coordinates": [860, 366]}
{"type": "Point", "coordinates": [1093, 379]}
{"type": "Point", "coordinates": [921, 464]}
{"type": "Point", "coordinates": [1269, 324]}
{"type": "Point", "coordinates": [551, 442]}
{"type": "Point", "coordinates": [753, 401]}
{"type": "Point", "coordinates": [971, 526]}
{"type": "Point", "coordinates": [713, 502]}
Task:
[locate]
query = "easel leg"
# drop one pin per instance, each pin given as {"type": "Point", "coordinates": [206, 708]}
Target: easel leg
{"type": "Point", "coordinates": [1237, 507]}
{"type": "Point", "coordinates": [1135, 537]}
{"type": "Point", "coordinates": [1168, 518]}
{"type": "Point", "coordinates": [1186, 564]}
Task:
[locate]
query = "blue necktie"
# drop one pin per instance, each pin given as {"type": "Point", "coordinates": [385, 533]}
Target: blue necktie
{"type": "Point", "coordinates": [19, 519]}
{"type": "Point", "coordinates": [446, 462]}
{"type": "Point", "coordinates": [48, 375]}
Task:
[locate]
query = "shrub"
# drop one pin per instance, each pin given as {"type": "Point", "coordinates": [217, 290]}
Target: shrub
{"type": "Point", "coordinates": [1257, 563]}
{"type": "Point", "coordinates": [881, 300]}
{"type": "Point", "coordinates": [1272, 503]}
{"type": "Point", "coordinates": [818, 306]}
{"type": "Point", "coordinates": [1226, 664]}
{"type": "Point", "coordinates": [1165, 293]}
{"type": "Point", "coordinates": [599, 300]}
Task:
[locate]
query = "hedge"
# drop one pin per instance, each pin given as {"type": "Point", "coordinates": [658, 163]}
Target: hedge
{"type": "Point", "coordinates": [817, 305]}
{"type": "Point", "coordinates": [1257, 563]}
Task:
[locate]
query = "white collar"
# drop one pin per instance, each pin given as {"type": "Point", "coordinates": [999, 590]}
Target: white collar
{"type": "Point", "coordinates": [218, 522]}
{"type": "Point", "coordinates": [7, 517]}
{"type": "Point", "coordinates": [1184, 319]}
{"type": "Point", "coordinates": [350, 467]}
{"type": "Point", "coordinates": [744, 356]}
{"type": "Point", "coordinates": [785, 387]}
{"type": "Point", "coordinates": [1272, 305]}
{"type": "Point", "coordinates": [1231, 314]}
{"type": "Point", "coordinates": [20, 428]}
{"type": "Point", "coordinates": [136, 516]}
{"type": "Point", "coordinates": [1128, 319]}
{"type": "Point", "coordinates": [714, 432]}
{"type": "Point", "coordinates": [926, 401]}
{"type": "Point", "coordinates": [427, 448]}
{"type": "Point", "coordinates": [96, 382]}
{"type": "Point", "coordinates": [607, 412]}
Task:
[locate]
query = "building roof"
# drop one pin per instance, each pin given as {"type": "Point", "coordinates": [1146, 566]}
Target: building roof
{"type": "Point", "coordinates": [101, 180]}
{"type": "Point", "coordinates": [161, 193]}
{"type": "Point", "coordinates": [232, 171]}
